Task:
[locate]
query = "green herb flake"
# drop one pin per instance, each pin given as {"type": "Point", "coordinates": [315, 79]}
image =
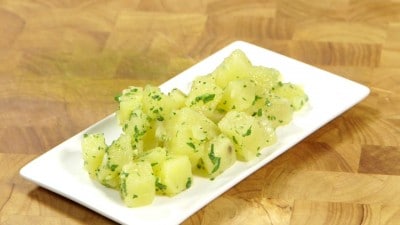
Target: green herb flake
{"type": "Point", "coordinates": [156, 97]}
{"type": "Point", "coordinates": [113, 167]}
{"type": "Point", "coordinates": [205, 98]}
{"type": "Point", "coordinates": [256, 98]}
{"type": "Point", "coordinates": [248, 132]}
{"type": "Point", "coordinates": [190, 144]}
{"type": "Point", "coordinates": [216, 161]}
{"type": "Point", "coordinates": [268, 102]}
{"type": "Point", "coordinates": [234, 140]}
{"type": "Point", "coordinates": [123, 188]}
{"type": "Point", "coordinates": [117, 97]}
{"type": "Point", "coordinates": [160, 186]}
{"type": "Point", "coordinates": [188, 183]}
{"type": "Point", "coordinates": [259, 112]}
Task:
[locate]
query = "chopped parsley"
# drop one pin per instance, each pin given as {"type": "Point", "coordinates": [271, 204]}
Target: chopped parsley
{"type": "Point", "coordinates": [256, 98]}
{"type": "Point", "coordinates": [113, 167]}
{"type": "Point", "coordinates": [234, 140]}
{"type": "Point", "coordinates": [160, 186]}
{"type": "Point", "coordinates": [248, 132]}
{"type": "Point", "coordinates": [190, 144]}
{"type": "Point", "coordinates": [188, 182]}
{"type": "Point", "coordinates": [117, 97]}
{"type": "Point", "coordinates": [216, 161]}
{"type": "Point", "coordinates": [204, 98]}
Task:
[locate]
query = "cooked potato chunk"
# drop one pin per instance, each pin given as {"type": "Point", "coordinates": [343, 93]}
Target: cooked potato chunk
{"type": "Point", "coordinates": [156, 104]}
{"type": "Point", "coordinates": [155, 156]}
{"type": "Point", "coordinates": [137, 186]}
{"type": "Point", "coordinates": [136, 127]}
{"type": "Point", "coordinates": [293, 93]}
{"type": "Point", "coordinates": [238, 95]}
{"type": "Point", "coordinates": [247, 133]}
{"type": "Point", "coordinates": [218, 156]}
{"type": "Point", "coordinates": [264, 78]}
{"type": "Point", "coordinates": [93, 149]}
{"type": "Point", "coordinates": [188, 131]}
{"type": "Point", "coordinates": [174, 175]}
{"type": "Point", "coordinates": [129, 100]}
{"type": "Point", "coordinates": [234, 67]}
{"type": "Point", "coordinates": [204, 97]}
{"type": "Point", "coordinates": [273, 108]}
{"type": "Point", "coordinates": [178, 98]}
{"type": "Point", "coordinates": [119, 153]}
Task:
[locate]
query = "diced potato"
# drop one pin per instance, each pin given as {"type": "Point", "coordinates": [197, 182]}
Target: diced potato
{"type": "Point", "coordinates": [137, 186]}
{"type": "Point", "coordinates": [155, 136]}
{"type": "Point", "coordinates": [119, 153]}
{"type": "Point", "coordinates": [156, 104]}
{"type": "Point", "coordinates": [278, 111]}
{"type": "Point", "coordinates": [248, 134]}
{"type": "Point", "coordinates": [238, 95]}
{"type": "Point", "coordinates": [174, 176]}
{"type": "Point", "coordinates": [273, 108]}
{"type": "Point", "coordinates": [204, 97]}
{"type": "Point", "coordinates": [188, 131]}
{"type": "Point", "coordinates": [129, 100]}
{"type": "Point", "coordinates": [218, 156]}
{"type": "Point", "coordinates": [136, 127]}
{"type": "Point", "coordinates": [93, 148]}
{"type": "Point", "coordinates": [235, 67]}
{"type": "Point", "coordinates": [178, 98]}
{"type": "Point", "coordinates": [265, 79]}
{"type": "Point", "coordinates": [155, 156]}
{"type": "Point", "coordinates": [294, 93]}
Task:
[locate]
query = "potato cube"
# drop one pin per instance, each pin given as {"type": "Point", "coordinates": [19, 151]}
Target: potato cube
{"type": "Point", "coordinates": [119, 153]}
{"type": "Point", "coordinates": [155, 157]}
{"type": "Point", "coordinates": [235, 67]}
{"type": "Point", "coordinates": [238, 95]}
{"type": "Point", "coordinates": [218, 156]}
{"type": "Point", "coordinates": [294, 93]}
{"type": "Point", "coordinates": [265, 79]}
{"type": "Point", "coordinates": [129, 100]}
{"type": "Point", "coordinates": [174, 175]}
{"type": "Point", "coordinates": [93, 148]}
{"type": "Point", "coordinates": [136, 127]}
{"type": "Point", "coordinates": [155, 135]}
{"type": "Point", "coordinates": [156, 104]}
{"type": "Point", "coordinates": [247, 133]}
{"type": "Point", "coordinates": [204, 97]}
{"type": "Point", "coordinates": [137, 186]}
{"type": "Point", "coordinates": [178, 98]}
{"type": "Point", "coordinates": [273, 108]}
{"type": "Point", "coordinates": [188, 131]}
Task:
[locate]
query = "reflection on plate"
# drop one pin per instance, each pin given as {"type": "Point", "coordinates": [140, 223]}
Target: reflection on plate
{"type": "Point", "coordinates": [61, 168]}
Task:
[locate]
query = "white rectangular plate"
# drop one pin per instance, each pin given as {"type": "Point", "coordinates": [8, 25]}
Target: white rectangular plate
{"type": "Point", "coordinates": [61, 168]}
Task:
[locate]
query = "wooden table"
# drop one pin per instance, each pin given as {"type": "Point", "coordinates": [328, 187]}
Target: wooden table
{"type": "Point", "coordinates": [61, 64]}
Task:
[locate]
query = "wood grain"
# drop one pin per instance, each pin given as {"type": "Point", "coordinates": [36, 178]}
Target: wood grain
{"type": "Point", "coordinates": [62, 62]}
